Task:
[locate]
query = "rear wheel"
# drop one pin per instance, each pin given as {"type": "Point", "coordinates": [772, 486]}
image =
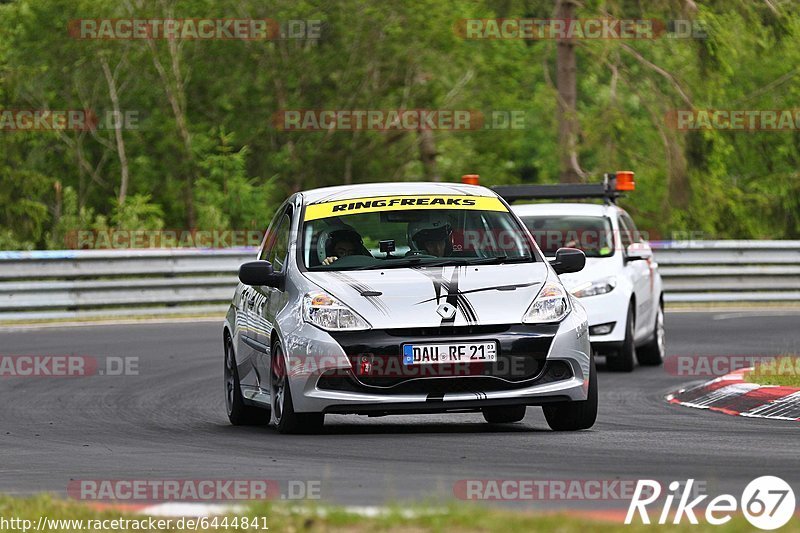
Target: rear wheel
{"type": "Point", "coordinates": [239, 413]}
{"type": "Point", "coordinates": [504, 415]}
{"type": "Point", "coordinates": [653, 353]}
{"type": "Point", "coordinates": [572, 416]}
{"type": "Point", "coordinates": [286, 419]}
{"type": "Point", "coordinates": [624, 359]}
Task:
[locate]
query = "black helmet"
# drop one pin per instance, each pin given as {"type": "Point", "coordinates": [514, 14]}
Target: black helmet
{"type": "Point", "coordinates": [435, 228]}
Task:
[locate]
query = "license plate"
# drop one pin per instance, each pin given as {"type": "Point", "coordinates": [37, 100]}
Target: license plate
{"type": "Point", "coordinates": [465, 352]}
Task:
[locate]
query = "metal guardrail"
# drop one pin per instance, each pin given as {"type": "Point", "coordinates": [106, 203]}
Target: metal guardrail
{"type": "Point", "coordinates": [729, 271]}
{"type": "Point", "coordinates": [117, 283]}
{"type": "Point", "coordinates": [70, 284]}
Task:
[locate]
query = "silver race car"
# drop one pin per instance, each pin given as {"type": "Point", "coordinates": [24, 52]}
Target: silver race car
{"type": "Point", "coordinates": [399, 298]}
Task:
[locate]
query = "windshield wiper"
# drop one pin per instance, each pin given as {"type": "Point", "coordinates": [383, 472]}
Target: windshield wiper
{"type": "Point", "coordinates": [393, 263]}
{"type": "Point", "coordinates": [501, 259]}
{"type": "Point", "coordinates": [445, 261]}
{"type": "Point", "coordinates": [466, 261]}
{"type": "Point", "coordinates": [489, 260]}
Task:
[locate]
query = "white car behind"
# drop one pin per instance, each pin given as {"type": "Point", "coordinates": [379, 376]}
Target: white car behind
{"type": "Point", "coordinates": [620, 287]}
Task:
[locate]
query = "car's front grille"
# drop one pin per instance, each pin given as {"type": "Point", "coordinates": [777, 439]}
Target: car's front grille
{"type": "Point", "coordinates": [345, 381]}
{"type": "Point", "coordinates": [376, 356]}
{"type": "Point", "coordinates": [447, 331]}
{"type": "Point", "coordinates": [389, 370]}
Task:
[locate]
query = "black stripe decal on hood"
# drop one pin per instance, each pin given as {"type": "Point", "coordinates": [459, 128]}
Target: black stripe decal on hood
{"type": "Point", "coordinates": [361, 289]}
{"type": "Point", "coordinates": [453, 296]}
{"type": "Point", "coordinates": [493, 288]}
{"type": "Point", "coordinates": [468, 309]}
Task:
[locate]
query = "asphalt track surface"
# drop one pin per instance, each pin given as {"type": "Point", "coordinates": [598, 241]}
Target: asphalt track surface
{"type": "Point", "coordinates": [168, 422]}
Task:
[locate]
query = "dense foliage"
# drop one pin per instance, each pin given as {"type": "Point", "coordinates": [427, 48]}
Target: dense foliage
{"type": "Point", "coordinates": [204, 152]}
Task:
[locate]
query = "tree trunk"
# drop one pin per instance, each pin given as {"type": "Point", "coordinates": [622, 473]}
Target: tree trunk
{"type": "Point", "coordinates": [427, 154]}
{"type": "Point", "coordinates": [566, 70]}
{"type": "Point", "coordinates": [59, 200]}
{"type": "Point", "coordinates": [177, 101]}
{"type": "Point", "coordinates": [348, 169]}
{"type": "Point", "coordinates": [123, 158]}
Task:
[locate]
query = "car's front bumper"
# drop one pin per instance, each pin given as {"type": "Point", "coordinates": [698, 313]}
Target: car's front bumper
{"type": "Point", "coordinates": [548, 363]}
{"type": "Point", "coordinates": [611, 307]}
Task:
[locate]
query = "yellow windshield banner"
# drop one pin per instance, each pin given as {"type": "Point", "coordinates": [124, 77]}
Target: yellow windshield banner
{"type": "Point", "coordinates": [355, 206]}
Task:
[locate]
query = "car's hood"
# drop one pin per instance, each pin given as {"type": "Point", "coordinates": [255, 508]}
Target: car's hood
{"type": "Point", "coordinates": [596, 268]}
{"type": "Point", "coordinates": [415, 297]}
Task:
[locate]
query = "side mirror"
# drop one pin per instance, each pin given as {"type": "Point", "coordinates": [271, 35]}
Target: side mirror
{"type": "Point", "coordinates": [638, 251]}
{"type": "Point", "coordinates": [258, 273]}
{"type": "Point", "coordinates": [568, 260]}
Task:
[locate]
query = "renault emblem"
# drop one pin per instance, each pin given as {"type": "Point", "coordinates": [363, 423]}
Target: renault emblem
{"type": "Point", "coordinates": [446, 311]}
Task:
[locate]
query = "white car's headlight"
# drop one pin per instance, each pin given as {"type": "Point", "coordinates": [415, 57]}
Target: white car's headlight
{"type": "Point", "coordinates": [593, 288]}
{"type": "Point", "coordinates": [550, 305]}
{"type": "Point", "coordinates": [328, 313]}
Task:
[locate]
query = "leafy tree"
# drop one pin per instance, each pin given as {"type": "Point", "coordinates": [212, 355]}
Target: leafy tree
{"type": "Point", "coordinates": [205, 153]}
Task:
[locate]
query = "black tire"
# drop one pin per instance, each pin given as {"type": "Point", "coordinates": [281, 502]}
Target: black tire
{"type": "Point", "coordinates": [574, 416]}
{"type": "Point", "coordinates": [653, 353]}
{"type": "Point", "coordinates": [286, 420]}
{"type": "Point", "coordinates": [625, 358]}
{"type": "Point", "coordinates": [239, 413]}
{"type": "Point", "coordinates": [504, 415]}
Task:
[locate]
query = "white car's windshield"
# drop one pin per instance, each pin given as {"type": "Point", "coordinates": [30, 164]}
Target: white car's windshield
{"type": "Point", "coordinates": [592, 234]}
{"type": "Point", "coordinates": [399, 235]}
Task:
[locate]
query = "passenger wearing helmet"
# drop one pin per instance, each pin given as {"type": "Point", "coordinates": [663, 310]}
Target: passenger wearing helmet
{"type": "Point", "coordinates": [432, 236]}
{"type": "Point", "coordinates": [341, 243]}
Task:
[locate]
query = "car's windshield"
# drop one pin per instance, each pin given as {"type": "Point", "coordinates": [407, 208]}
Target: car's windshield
{"type": "Point", "coordinates": [592, 234]}
{"type": "Point", "coordinates": [424, 230]}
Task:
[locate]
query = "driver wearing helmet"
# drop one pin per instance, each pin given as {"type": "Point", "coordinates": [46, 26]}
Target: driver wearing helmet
{"type": "Point", "coordinates": [342, 243]}
{"type": "Point", "coordinates": [432, 236]}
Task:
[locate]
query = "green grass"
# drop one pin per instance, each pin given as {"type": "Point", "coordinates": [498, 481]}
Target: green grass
{"type": "Point", "coordinates": [779, 371]}
{"type": "Point", "coordinates": [283, 517]}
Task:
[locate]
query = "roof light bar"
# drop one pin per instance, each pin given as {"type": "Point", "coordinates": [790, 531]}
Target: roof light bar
{"type": "Point", "coordinates": [625, 180]}
{"type": "Point", "coordinates": [611, 188]}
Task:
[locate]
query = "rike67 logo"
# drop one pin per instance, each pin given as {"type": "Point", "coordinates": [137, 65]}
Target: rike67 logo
{"type": "Point", "coordinates": [767, 502]}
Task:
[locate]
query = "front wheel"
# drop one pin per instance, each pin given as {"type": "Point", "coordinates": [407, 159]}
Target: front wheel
{"type": "Point", "coordinates": [573, 416]}
{"type": "Point", "coordinates": [286, 419]}
{"type": "Point", "coordinates": [624, 359]}
{"type": "Point", "coordinates": [653, 353]}
{"type": "Point", "coordinates": [239, 413]}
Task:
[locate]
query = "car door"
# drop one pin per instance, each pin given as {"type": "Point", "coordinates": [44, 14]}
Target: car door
{"type": "Point", "coordinates": [269, 300]}
{"type": "Point", "coordinates": [250, 346]}
{"type": "Point", "coordinates": [640, 274]}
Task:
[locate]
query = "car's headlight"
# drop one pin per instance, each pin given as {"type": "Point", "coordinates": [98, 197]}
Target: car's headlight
{"type": "Point", "coordinates": [328, 313]}
{"type": "Point", "coordinates": [593, 288]}
{"type": "Point", "coordinates": [550, 305]}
